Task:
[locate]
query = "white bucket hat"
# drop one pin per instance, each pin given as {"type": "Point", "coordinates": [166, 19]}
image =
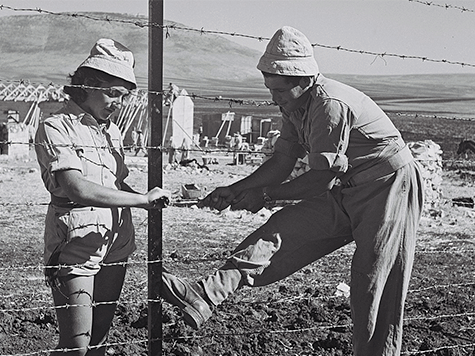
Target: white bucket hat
{"type": "Point", "coordinates": [113, 58]}
{"type": "Point", "coordinates": [289, 52]}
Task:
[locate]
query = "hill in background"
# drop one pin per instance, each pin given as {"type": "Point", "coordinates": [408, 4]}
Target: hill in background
{"type": "Point", "coordinates": [46, 48]}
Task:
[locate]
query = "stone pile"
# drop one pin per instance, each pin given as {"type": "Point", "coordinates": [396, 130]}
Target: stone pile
{"type": "Point", "coordinates": [428, 155]}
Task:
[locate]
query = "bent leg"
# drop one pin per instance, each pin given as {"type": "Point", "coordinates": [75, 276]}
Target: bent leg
{"type": "Point", "coordinates": [292, 238]}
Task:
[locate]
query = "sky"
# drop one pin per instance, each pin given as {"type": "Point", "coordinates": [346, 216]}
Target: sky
{"type": "Point", "coordinates": [400, 27]}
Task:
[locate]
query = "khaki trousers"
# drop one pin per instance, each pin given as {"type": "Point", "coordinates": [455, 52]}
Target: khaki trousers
{"type": "Point", "coordinates": [381, 216]}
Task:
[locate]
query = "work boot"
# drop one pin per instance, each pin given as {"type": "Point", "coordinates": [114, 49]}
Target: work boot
{"type": "Point", "coordinates": [182, 294]}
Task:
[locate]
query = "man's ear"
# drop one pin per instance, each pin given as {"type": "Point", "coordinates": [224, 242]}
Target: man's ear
{"type": "Point", "coordinates": [306, 82]}
{"type": "Point", "coordinates": [89, 83]}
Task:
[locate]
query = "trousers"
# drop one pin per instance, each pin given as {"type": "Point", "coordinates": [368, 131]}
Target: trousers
{"type": "Point", "coordinates": [381, 216]}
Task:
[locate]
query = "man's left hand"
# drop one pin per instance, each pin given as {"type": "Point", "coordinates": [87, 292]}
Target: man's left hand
{"type": "Point", "coordinates": [250, 199]}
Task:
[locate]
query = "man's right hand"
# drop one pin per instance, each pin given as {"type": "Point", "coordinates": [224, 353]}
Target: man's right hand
{"type": "Point", "coordinates": [218, 199]}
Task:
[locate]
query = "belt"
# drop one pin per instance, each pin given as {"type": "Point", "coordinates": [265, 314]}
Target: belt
{"type": "Point", "coordinates": [383, 168]}
{"type": "Point", "coordinates": [64, 202]}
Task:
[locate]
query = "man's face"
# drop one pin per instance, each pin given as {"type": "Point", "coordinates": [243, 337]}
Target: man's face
{"type": "Point", "coordinates": [285, 93]}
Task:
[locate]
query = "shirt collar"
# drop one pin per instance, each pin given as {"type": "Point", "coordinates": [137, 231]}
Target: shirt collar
{"type": "Point", "coordinates": [77, 114]}
{"type": "Point", "coordinates": [319, 79]}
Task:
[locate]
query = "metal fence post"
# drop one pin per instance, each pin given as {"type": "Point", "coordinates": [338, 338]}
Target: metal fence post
{"type": "Point", "coordinates": [155, 86]}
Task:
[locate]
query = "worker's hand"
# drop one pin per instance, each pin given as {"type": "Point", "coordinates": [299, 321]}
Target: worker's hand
{"type": "Point", "coordinates": [250, 199]}
{"type": "Point", "coordinates": [218, 199]}
{"type": "Point", "coordinates": [158, 198]}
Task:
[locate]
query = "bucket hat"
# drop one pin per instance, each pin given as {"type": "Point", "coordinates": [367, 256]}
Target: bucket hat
{"type": "Point", "coordinates": [289, 52]}
{"type": "Point", "coordinates": [113, 58]}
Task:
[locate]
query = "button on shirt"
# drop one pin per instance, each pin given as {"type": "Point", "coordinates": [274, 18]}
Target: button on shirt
{"type": "Point", "coordinates": [72, 139]}
{"type": "Point", "coordinates": [340, 128]}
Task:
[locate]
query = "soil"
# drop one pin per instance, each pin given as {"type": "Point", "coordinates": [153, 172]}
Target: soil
{"type": "Point", "coordinates": [305, 314]}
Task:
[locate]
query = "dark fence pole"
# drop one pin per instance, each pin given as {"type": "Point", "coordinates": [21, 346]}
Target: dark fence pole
{"type": "Point", "coordinates": [155, 87]}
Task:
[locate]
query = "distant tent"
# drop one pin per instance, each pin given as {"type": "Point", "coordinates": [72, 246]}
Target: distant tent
{"type": "Point", "coordinates": [25, 92]}
{"type": "Point", "coordinates": [134, 114]}
{"type": "Point", "coordinates": [182, 112]}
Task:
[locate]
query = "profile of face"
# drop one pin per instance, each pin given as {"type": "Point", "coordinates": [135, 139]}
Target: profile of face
{"type": "Point", "coordinates": [101, 103]}
{"type": "Point", "coordinates": [285, 93]}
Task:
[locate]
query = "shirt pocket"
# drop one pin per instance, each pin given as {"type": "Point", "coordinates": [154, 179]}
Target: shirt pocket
{"type": "Point", "coordinates": [91, 163]}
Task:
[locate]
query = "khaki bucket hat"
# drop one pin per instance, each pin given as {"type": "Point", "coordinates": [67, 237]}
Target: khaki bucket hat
{"type": "Point", "coordinates": [113, 58]}
{"type": "Point", "coordinates": [289, 52]}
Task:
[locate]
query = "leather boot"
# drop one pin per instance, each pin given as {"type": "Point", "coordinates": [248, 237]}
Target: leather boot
{"type": "Point", "coordinates": [181, 293]}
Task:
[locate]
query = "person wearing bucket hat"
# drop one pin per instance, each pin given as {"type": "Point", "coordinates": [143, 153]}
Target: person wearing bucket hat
{"type": "Point", "coordinates": [363, 186]}
{"type": "Point", "coordinates": [88, 228]}
{"type": "Point", "coordinates": [113, 58]}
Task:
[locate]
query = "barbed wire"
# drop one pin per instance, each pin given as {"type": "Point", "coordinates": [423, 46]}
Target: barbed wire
{"type": "Point", "coordinates": [340, 254]}
{"type": "Point", "coordinates": [445, 6]}
{"type": "Point", "coordinates": [283, 300]}
{"type": "Point", "coordinates": [452, 250]}
{"type": "Point", "coordinates": [92, 304]}
{"type": "Point", "coordinates": [250, 102]}
{"type": "Point", "coordinates": [433, 351]}
{"type": "Point", "coordinates": [443, 316]}
{"type": "Point", "coordinates": [294, 299]}
{"type": "Point", "coordinates": [416, 352]}
{"type": "Point", "coordinates": [141, 92]}
{"type": "Point", "coordinates": [441, 286]}
{"type": "Point", "coordinates": [64, 350]}
{"type": "Point", "coordinates": [282, 331]}
{"type": "Point", "coordinates": [202, 31]}
{"type": "Point", "coordinates": [286, 331]}
{"type": "Point", "coordinates": [79, 265]}
{"type": "Point", "coordinates": [206, 151]}
{"type": "Point", "coordinates": [430, 116]}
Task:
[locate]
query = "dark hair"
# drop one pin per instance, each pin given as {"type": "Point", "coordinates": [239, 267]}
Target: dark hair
{"type": "Point", "coordinates": [85, 76]}
{"type": "Point", "coordinates": [290, 78]}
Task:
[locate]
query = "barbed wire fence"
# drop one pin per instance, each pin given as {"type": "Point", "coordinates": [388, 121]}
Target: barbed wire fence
{"type": "Point", "coordinates": [445, 6]}
{"type": "Point", "coordinates": [45, 306]}
{"type": "Point", "coordinates": [169, 28]}
{"type": "Point", "coordinates": [295, 299]}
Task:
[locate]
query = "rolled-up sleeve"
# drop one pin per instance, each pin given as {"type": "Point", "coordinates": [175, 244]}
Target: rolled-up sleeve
{"type": "Point", "coordinates": [328, 136]}
{"type": "Point", "coordinates": [55, 151]}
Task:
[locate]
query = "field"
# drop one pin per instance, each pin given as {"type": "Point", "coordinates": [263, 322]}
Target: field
{"type": "Point", "coordinates": [302, 315]}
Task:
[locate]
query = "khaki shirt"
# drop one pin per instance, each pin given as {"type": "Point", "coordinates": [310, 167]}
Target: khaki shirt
{"type": "Point", "coordinates": [72, 139]}
{"type": "Point", "coordinates": [84, 236]}
{"type": "Point", "coordinates": [339, 128]}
